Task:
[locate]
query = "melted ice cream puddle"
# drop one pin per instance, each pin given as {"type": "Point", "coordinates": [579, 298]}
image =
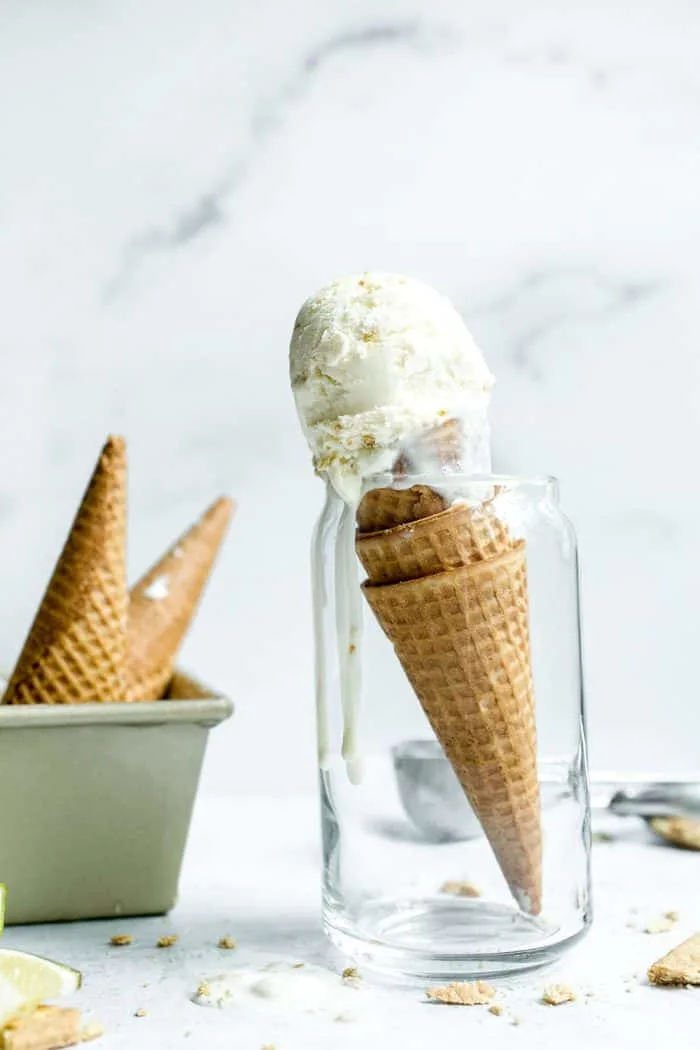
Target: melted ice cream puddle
{"type": "Point", "coordinates": [283, 988]}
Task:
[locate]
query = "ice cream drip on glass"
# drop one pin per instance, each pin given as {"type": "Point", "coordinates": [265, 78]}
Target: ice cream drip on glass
{"type": "Point", "coordinates": [388, 383]}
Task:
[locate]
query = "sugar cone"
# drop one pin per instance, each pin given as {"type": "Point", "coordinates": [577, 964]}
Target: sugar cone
{"type": "Point", "coordinates": [455, 537]}
{"type": "Point", "coordinates": [76, 649]}
{"type": "Point", "coordinates": [462, 637]}
{"type": "Point", "coordinates": [163, 602]}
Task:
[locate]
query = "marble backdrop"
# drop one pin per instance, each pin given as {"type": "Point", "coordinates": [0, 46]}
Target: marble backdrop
{"type": "Point", "coordinates": [175, 178]}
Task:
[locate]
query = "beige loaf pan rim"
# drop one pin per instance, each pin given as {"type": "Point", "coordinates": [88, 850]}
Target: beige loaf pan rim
{"type": "Point", "coordinates": [187, 700]}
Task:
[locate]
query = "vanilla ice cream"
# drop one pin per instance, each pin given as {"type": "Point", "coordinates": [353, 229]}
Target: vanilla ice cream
{"type": "Point", "coordinates": [376, 360]}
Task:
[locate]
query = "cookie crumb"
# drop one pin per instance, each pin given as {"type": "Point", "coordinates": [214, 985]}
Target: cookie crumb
{"type": "Point", "coordinates": [556, 994]}
{"type": "Point", "coordinates": [679, 831]}
{"type": "Point", "coordinates": [672, 916]}
{"type": "Point", "coordinates": [351, 973]}
{"type": "Point", "coordinates": [602, 836]}
{"type": "Point", "coordinates": [140, 1012]}
{"type": "Point", "coordinates": [680, 966]}
{"type": "Point", "coordinates": [203, 989]}
{"type": "Point", "coordinates": [120, 940]}
{"type": "Point", "coordinates": [228, 943]}
{"type": "Point", "coordinates": [496, 1009]}
{"type": "Point", "coordinates": [462, 993]}
{"type": "Point", "coordinates": [298, 966]}
{"type": "Point", "coordinates": [167, 942]}
{"type": "Point", "coordinates": [516, 1020]}
{"type": "Point", "coordinates": [92, 1030]}
{"type": "Point", "coordinates": [662, 925]}
{"type": "Point", "coordinates": [460, 888]}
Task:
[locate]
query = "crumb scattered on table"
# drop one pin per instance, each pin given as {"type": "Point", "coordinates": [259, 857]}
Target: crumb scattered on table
{"type": "Point", "coordinates": [120, 940]}
{"type": "Point", "coordinates": [46, 1027]}
{"type": "Point", "coordinates": [556, 994]}
{"type": "Point", "coordinates": [351, 973]}
{"type": "Point", "coordinates": [269, 1046]}
{"type": "Point", "coordinates": [298, 966]}
{"type": "Point", "coordinates": [679, 831]}
{"type": "Point", "coordinates": [140, 1012]}
{"type": "Point", "coordinates": [661, 925]}
{"type": "Point", "coordinates": [680, 966]}
{"type": "Point", "coordinates": [203, 989]}
{"type": "Point", "coordinates": [168, 941]}
{"type": "Point", "coordinates": [496, 1009]}
{"type": "Point", "coordinates": [674, 916]}
{"type": "Point", "coordinates": [516, 1020]}
{"type": "Point", "coordinates": [462, 993]}
{"type": "Point", "coordinates": [602, 836]}
{"type": "Point", "coordinates": [228, 943]}
{"type": "Point", "coordinates": [460, 888]}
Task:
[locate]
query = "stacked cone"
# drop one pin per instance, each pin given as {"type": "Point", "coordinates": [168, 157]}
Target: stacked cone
{"type": "Point", "coordinates": [93, 642]}
{"type": "Point", "coordinates": [449, 589]}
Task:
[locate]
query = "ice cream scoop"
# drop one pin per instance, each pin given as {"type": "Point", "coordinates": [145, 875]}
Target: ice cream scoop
{"type": "Point", "coordinates": [376, 361]}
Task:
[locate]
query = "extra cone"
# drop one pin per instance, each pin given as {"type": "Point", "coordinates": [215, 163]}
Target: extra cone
{"type": "Point", "coordinates": [76, 649]}
{"type": "Point", "coordinates": [462, 637]}
{"type": "Point", "coordinates": [163, 602]}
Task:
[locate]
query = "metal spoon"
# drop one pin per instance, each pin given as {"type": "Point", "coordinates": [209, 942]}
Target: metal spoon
{"type": "Point", "coordinates": [434, 801]}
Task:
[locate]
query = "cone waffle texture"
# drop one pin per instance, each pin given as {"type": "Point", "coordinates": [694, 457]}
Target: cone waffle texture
{"type": "Point", "coordinates": [163, 602]}
{"type": "Point", "coordinates": [455, 537]}
{"type": "Point", "coordinates": [76, 649]}
{"type": "Point", "coordinates": [384, 508]}
{"type": "Point", "coordinates": [680, 966]}
{"type": "Point", "coordinates": [463, 640]}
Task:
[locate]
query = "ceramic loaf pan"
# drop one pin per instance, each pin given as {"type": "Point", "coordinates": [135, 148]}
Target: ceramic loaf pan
{"type": "Point", "coordinates": [96, 800]}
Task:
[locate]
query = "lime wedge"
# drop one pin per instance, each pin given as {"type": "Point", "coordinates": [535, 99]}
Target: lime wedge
{"type": "Point", "coordinates": [27, 980]}
{"type": "Point", "coordinates": [3, 895]}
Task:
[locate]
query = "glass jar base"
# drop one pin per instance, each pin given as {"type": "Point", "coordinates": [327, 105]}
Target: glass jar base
{"type": "Point", "coordinates": [477, 939]}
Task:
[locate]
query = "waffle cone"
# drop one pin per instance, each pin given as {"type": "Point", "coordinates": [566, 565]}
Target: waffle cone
{"type": "Point", "coordinates": [76, 649]}
{"type": "Point", "coordinates": [448, 540]}
{"type": "Point", "coordinates": [462, 637]}
{"type": "Point", "coordinates": [163, 602]}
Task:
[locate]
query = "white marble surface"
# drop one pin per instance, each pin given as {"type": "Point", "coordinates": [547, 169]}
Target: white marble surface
{"type": "Point", "coordinates": [174, 180]}
{"type": "Point", "coordinates": [252, 872]}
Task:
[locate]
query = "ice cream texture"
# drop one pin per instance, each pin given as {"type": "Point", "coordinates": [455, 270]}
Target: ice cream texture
{"type": "Point", "coordinates": [377, 360]}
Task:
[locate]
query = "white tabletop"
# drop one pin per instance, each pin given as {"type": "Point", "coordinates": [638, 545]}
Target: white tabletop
{"type": "Point", "coordinates": [251, 871]}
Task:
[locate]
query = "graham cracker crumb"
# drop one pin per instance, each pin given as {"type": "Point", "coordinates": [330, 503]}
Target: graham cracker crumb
{"type": "Point", "coordinates": [120, 940]}
{"type": "Point", "coordinates": [556, 994]}
{"type": "Point", "coordinates": [460, 888]}
{"type": "Point", "coordinates": [496, 1009]}
{"type": "Point", "coordinates": [516, 1020]}
{"type": "Point", "coordinates": [368, 440]}
{"type": "Point", "coordinates": [679, 831]}
{"type": "Point", "coordinates": [672, 916]}
{"type": "Point", "coordinates": [680, 966]}
{"type": "Point", "coordinates": [661, 925]}
{"type": "Point", "coordinates": [462, 993]}
{"type": "Point", "coordinates": [228, 943]}
{"type": "Point", "coordinates": [602, 836]}
{"type": "Point", "coordinates": [298, 966]}
{"type": "Point", "coordinates": [203, 989]}
{"type": "Point", "coordinates": [140, 1012]}
{"type": "Point", "coordinates": [350, 973]}
{"type": "Point", "coordinates": [92, 1030]}
{"type": "Point", "coordinates": [167, 942]}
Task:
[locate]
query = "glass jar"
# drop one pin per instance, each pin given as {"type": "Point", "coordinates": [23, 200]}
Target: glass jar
{"type": "Point", "coordinates": [452, 750]}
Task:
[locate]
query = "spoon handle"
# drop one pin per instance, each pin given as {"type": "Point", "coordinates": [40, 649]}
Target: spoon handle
{"type": "Point", "coordinates": [657, 800]}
